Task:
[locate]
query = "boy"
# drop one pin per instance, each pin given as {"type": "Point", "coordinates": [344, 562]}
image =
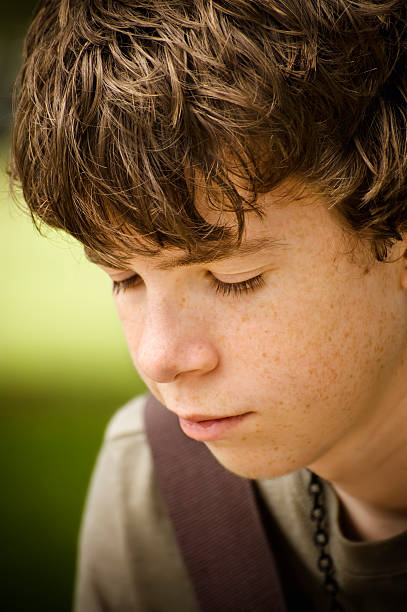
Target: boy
{"type": "Point", "coordinates": [238, 168]}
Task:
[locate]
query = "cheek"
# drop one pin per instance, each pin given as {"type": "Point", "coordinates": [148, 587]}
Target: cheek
{"type": "Point", "coordinates": [294, 381]}
{"type": "Point", "coordinates": [322, 355]}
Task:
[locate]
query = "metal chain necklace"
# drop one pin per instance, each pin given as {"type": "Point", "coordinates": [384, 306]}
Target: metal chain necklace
{"type": "Point", "coordinates": [321, 540]}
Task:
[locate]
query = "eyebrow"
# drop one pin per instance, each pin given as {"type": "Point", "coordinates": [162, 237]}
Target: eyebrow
{"type": "Point", "coordinates": [249, 247]}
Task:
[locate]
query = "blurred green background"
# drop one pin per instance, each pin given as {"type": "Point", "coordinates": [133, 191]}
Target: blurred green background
{"type": "Point", "coordinates": [64, 370]}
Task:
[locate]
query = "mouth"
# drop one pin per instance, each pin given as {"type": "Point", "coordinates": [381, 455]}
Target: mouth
{"type": "Point", "coordinates": [207, 429]}
{"type": "Point", "coordinates": [198, 418]}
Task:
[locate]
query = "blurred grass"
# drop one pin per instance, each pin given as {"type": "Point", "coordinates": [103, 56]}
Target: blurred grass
{"type": "Point", "coordinates": [64, 369]}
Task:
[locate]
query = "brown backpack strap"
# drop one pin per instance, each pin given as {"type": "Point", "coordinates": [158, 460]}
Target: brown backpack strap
{"type": "Point", "coordinates": [216, 521]}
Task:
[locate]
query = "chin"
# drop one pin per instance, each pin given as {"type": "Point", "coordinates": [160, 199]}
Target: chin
{"type": "Point", "coordinates": [253, 466]}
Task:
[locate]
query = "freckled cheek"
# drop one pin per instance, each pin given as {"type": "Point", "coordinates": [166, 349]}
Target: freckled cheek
{"type": "Point", "coordinates": [283, 353]}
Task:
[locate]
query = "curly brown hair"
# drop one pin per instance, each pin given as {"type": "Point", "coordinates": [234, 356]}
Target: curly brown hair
{"type": "Point", "coordinates": [124, 107]}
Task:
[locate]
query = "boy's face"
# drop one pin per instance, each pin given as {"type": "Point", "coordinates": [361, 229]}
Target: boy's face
{"type": "Point", "coordinates": [313, 355]}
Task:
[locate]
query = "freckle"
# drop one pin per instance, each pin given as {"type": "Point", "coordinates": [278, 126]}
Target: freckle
{"type": "Point", "coordinates": [264, 355]}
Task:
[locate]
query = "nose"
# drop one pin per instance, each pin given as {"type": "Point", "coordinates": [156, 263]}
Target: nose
{"type": "Point", "coordinates": [173, 343]}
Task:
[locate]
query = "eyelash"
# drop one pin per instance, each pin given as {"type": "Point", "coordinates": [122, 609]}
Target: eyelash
{"type": "Point", "coordinates": [225, 289]}
{"type": "Point", "coordinates": [127, 283]}
{"type": "Point", "coordinates": [237, 289]}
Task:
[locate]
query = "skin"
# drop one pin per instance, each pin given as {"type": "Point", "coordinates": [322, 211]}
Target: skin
{"type": "Point", "coordinates": [318, 354]}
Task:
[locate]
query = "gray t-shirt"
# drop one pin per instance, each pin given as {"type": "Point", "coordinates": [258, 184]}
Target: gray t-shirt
{"type": "Point", "coordinates": [129, 559]}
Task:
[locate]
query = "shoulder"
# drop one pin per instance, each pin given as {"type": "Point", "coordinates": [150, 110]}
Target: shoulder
{"type": "Point", "coordinates": [127, 545]}
{"type": "Point", "coordinates": [103, 569]}
{"type": "Point", "coordinates": [123, 470]}
{"type": "Point", "coordinates": [128, 421]}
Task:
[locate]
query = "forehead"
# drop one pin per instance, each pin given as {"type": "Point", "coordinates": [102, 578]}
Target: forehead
{"type": "Point", "coordinates": [282, 216]}
{"type": "Point", "coordinates": [175, 258]}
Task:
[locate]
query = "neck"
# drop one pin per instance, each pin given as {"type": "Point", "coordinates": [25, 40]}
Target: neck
{"type": "Point", "coordinates": [368, 472]}
{"type": "Point", "coordinates": [362, 521]}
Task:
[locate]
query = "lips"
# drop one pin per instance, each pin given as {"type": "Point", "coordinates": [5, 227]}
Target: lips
{"type": "Point", "coordinates": [207, 429]}
{"type": "Point", "coordinates": [198, 418]}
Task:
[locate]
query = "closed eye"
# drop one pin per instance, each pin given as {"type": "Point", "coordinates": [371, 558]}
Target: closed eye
{"type": "Point", "coordinates": [127, 283]}
{"type": "Point", "coordinates": [225, 289]}
{"type": "Point", "coordinates": [237, 289]}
